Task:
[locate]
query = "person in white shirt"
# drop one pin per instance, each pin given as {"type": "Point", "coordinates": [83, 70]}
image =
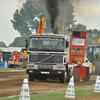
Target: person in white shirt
{"type": "Point", "coordinates": [80, 43]}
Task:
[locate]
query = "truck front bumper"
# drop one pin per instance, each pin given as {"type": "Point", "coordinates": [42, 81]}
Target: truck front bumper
{"type": "Point", "coordinates": [47, 72]}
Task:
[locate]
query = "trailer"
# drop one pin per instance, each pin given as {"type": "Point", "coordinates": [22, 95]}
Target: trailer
{"type": "Point", "coordinates": [17, 60]}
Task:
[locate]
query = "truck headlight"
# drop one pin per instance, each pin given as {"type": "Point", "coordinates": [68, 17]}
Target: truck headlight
{"type": "Point", "coordinates": [58, 67]}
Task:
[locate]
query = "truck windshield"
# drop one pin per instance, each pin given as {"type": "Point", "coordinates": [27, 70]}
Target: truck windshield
{"type": "Point", "coordinates": [47, 44]}
{"type": "Point", "coordinates": [78, 41]}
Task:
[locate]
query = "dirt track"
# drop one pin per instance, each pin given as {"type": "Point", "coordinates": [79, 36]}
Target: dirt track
{"type": "Point", "coordinates": [11, 83]}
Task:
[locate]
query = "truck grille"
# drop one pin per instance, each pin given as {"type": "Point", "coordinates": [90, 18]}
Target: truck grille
{"type": "Point", "coordinates": [45, 58]}
{"type": "Point", "coordinates": [45, 66]}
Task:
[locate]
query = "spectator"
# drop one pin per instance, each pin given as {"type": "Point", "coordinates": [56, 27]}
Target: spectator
{"type": "Point", "coordinates": [80, 43]}
{"type": "Point", "coordinates": [39, 44]}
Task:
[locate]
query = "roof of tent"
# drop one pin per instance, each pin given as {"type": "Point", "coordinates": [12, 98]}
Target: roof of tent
{"type": "Point", "coordinates": [11, 49]}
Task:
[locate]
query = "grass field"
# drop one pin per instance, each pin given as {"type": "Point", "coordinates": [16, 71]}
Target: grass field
{"type": "Point", "coordinates": [85, 93]}
{"type": "Point", "coordinates": [12, 69]}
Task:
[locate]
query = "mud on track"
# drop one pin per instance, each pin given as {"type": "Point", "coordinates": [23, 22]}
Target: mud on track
{"type": "Point", "coordinates": [11, 83]}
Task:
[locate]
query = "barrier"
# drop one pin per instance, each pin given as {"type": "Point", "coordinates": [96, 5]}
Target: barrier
{"type": "Point", "coordinates": [25, 95]}
{"type": "Point", "coordinates": [70, 93]}
{"type": "Point", "coordinates": [5, 64]}
{"type": "Point", "coordinates": [97, 85]}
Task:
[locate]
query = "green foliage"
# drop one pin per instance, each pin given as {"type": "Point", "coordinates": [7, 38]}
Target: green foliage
{"type": "Point", "coordinates": [19, 41]}
{"type": "Point", "coordinates": [79, 27]}
{"type": "Point", "coordinates": [93, 36]}
{"type": "Point", "coordinates": [2, 44]}
{"type": "Point", "coordinates": [27, 18]}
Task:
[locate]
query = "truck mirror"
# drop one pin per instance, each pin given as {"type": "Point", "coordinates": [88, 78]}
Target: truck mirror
{"type": "Point", "coordinates": [67, 44]}
{"type": "Point", "coordinates": [26, 44]}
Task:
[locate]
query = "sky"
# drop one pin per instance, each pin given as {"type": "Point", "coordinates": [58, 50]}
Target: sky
{"type": "Point", "coordinates": [7, 32]}
{"type": "Point", "coordinates": [87, 12]}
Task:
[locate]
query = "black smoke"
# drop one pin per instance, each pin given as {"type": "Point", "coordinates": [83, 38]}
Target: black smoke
{"type": "Point", "coordinates": [53, 10]}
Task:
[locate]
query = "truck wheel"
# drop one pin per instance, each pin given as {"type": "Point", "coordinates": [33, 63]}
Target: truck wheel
{"type": "Point", "coordinates": [87, 75]}
{"type": "Point", "coordinates": [87, 78]}
{"type": "Point", "coordinates": [96, 67]}
{"type": "Point", "coordinates": [31, 77]}
{"type": "Point", "coordinates": [63, 78]}
{"type": "Point", "coordinates": [68, 79]}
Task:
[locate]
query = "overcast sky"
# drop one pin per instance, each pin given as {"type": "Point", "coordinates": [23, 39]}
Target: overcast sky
{"type": "Point", "coordinates": [7, 32]}
{"type": "Point", "coordinates": [86, 13]}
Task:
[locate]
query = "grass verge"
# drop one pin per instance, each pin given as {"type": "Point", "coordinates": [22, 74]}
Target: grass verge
{"type": "Point", "coordinates": [12, 69]}
{"type": "Point", "coordinates": [85, 93]}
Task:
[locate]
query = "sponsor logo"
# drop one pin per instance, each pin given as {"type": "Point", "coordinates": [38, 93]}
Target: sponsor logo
{"type": "Point", "coordinates": [69, 86]}
{"type": "Point", "coordinates": [25, 96]}
{"type": "Point", "coordinates": [25, 90]}
{"type": "Point", "coordinates": [68, 90]}
{"type": "Point", "coordinates": [78, 51]}
{"type": "Point", "coordinates": [97, 86]}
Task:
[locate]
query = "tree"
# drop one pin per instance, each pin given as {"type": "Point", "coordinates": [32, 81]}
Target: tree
{"type": "Point", "coordinates": [69, 17]}
{"type": "Point", "coordinates": [79, 27]}
{"type": "Point", "coordinates": [27, 18]}
{"type": "Point", "coordinates": [94, 36]}
{"type": "Point", "coordinates": [2, 44]}
{"type": "Point", "coordinates": [19, 41]}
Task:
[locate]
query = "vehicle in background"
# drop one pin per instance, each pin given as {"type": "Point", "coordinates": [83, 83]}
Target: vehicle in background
{"type": "Point", "coordinates": [17, 60]}
{"type": "Point", "coordinates": [78, 63]}
{"type": "Point", "coordinates": [5, 55]}
{"type": "Point", "coordinates": [93, 54]}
